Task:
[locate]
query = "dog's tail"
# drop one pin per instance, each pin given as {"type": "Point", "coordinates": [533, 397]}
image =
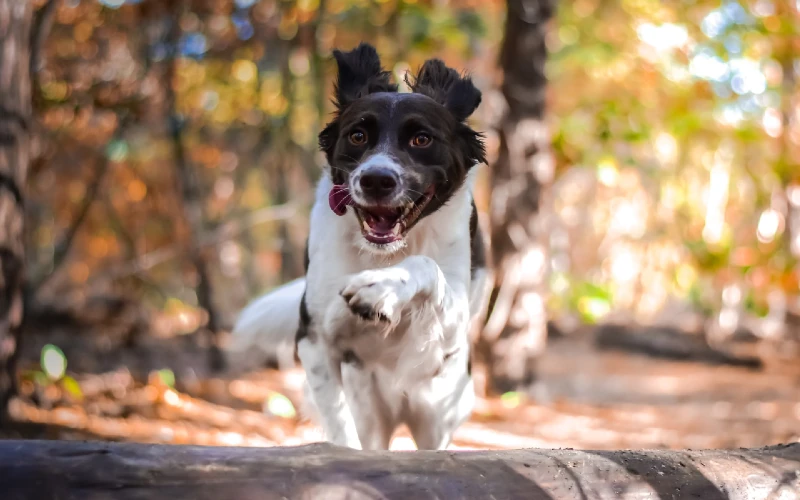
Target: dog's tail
{"type": "Point", "coordinates": [266, 328]}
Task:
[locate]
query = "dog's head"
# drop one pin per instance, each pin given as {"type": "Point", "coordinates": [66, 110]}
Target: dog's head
{"type": "Point", "coordinates": [399, 156]}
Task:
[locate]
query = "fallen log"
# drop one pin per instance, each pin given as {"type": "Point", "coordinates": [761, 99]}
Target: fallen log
{"type": "Point", "coordinates": [97, 470]}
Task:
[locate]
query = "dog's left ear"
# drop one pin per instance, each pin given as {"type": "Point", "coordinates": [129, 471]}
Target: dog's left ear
{"type": "Point", "coordinates": [458, 95]}
{"type": "Point", "coordinates": [446, 86]}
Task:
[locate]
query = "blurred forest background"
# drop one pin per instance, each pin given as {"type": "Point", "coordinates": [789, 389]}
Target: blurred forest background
{"type": "Point", "coordinates": [174, 159]}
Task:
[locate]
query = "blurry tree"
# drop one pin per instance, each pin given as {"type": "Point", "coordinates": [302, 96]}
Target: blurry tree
{"type": "Point", "coordinates": [16, 19]}
{"type": "Point", "coordinates": [675, 144]}
{"type": "Point", "coordinates": [190, 194]}
{"type": "Point", "coordinates": [787, 49]}
{"type": "Point", "coordinates": [517, 326]}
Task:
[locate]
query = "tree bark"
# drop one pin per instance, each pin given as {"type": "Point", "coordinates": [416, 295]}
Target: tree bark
{"type": "Point", "coordinates": [191, 198]}
{"type": "Point", "coordinates": [515, 332]}
{"type": "Point", "coordinates": [86, 470]}
{"type": "Point", "coordinates": [15, 144]}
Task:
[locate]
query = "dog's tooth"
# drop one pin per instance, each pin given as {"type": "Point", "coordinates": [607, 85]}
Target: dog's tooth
{"type": "Point", "coordinates": [365, 226]}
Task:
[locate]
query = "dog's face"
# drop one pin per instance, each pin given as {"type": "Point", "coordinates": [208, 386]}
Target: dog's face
{"type": "Point", "coordinates": [400, 156]}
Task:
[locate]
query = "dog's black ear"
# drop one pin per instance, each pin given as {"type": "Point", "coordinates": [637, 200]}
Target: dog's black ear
{"type": "Point", "coordinates": [446, 86]}
{"type": "Point", "coordinates": [474, 147]}
{"type": "Point", "coordinates": [360, 73]}
{"type": "Point", "coordinates": [328, 136]}
{"type": "Point", "coordinates": [459, 95]}
{"type": "Point", "coordinates": [327, 143]}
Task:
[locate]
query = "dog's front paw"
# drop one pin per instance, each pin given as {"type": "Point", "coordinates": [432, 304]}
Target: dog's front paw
{"type": "Point", "coordinates": [379, 295]}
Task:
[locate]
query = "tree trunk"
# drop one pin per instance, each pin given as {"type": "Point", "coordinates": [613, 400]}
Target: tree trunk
{"type": "Point", "coordinates": [15, 137]}
{"type": "Point", "coordinates": [72, 470]}
{"type": "Point", "coordinates": [191, 198]}
{"type": "Point", "coordinates": [515, 332]}
{"type": "Point", "coordinates": [291, 266]}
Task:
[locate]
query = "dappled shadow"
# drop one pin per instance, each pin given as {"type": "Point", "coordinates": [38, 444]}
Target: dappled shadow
{"type": "Point", "coordinates": [12, 429]}
{"type": "Point", "coordinates": [668, 477]}
{"type": "Point", "coordinates": [786, 480]}
{"type": "Point", "coordinates": [133, 471]}
{"type": "Point", "coordinates": [573, 477]}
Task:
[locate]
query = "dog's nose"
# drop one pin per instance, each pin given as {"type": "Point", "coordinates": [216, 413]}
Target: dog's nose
{"type": "Point", "coordinates": [379, 182]}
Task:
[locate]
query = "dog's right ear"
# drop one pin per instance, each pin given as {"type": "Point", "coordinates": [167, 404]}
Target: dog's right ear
{"type": "Point", "coordinates": [360, 73]}
{"type": "Point", "coordinates": [327, 142]}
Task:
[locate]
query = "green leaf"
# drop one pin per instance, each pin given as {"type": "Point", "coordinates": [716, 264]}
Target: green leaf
{"type": "Point", "coordinates": [167, 377]}
{"type": "Point", "coordinates": [53, 361]}
{"type": "Point", "coordinates": [279, 405]}
{"type": "Point", "coordinates": [592, 309]}
{"type": "Point", "coordinates": [41, 379]}
{"type": "Point", "coordinates": [592, 301]}
{"type": "Point", "coordinates": [72, 386]}
{"type": "Point", "coordinates": [117, 150]}
{"type": "Point", "coordinates": [29, 375]}
{"type": "Point", "coordinates": [471, 22]}
{"type": "Point", "coordinates": [511, 399]}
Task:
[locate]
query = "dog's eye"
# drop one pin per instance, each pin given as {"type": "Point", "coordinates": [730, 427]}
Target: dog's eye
{"type": "Point", "coordinates": [358, 138]}
{"type": "Point", "coordinates": [421, 140]}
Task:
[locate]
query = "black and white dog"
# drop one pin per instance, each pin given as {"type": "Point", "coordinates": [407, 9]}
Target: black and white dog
{"type": "Point", "coordinates": [395, 264]}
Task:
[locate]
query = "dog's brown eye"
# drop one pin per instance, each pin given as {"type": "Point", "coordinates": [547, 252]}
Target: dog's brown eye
{"type": "Point", "coordinates": [421, 140]}
{"type": "Point", "coordinates": [358, 138]}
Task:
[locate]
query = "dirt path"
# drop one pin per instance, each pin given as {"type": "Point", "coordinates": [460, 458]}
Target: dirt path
{"type": "Point", "coordinates": [585, 398]}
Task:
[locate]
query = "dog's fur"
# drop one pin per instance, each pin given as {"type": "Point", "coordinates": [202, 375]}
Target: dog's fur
{"type": "Point", "coordinates": [382, 318]}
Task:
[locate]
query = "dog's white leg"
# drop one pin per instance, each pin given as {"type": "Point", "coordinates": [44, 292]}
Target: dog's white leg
{"type": "Point", "coordinates": [373, 418]}
{"type": "Point", "coordinates": [323, 376]}
{"type": "Point", "coordinates": [436, 411]}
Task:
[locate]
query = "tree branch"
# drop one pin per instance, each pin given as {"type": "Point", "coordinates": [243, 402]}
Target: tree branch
{"type": "Point", "coordinates": [63, 247]}
{"type": "Point", "coordinates": [42, 22]}
{"type": "Point", "coordinates": [224, 232]}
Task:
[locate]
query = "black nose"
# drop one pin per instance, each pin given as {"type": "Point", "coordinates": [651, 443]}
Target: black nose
{"type": "Point", "coordinates": [378, 182]}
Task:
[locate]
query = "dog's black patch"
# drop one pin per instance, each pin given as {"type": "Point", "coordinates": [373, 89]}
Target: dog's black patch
{"type": "Point", "coordinates": [477, 247]}
{"type": "Point", "coordinates": [304, 328]}
{"type": "Point", "coordinates": [349, 357]}
{"type": "Point", "coordinates": [449, 354]}
{"type": "Point", "coordinates": [306, 258]}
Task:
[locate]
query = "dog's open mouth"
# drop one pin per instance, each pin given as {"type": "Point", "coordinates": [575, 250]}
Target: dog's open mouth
{"type": "Point", "coordinates": [382, 225]}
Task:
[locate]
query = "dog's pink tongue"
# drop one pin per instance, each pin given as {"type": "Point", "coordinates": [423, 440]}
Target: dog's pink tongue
{"type": "Point", "coordinates": [380, 221]}
{"type": "Point", "coordinates": [339, 198]}
{"type": "Point", "coordinates": [382, 225]}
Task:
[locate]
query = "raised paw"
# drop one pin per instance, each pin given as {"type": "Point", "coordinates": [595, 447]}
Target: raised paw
{"type": "Point", "coordinates": [379, 295]}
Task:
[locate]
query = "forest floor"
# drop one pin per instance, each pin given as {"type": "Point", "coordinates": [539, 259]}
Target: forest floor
{"type": "Point", "coordinates": [585, 397]}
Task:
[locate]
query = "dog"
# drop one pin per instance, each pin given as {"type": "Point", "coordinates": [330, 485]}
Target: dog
{"type": "Point", "coordinates": [395, 260]}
